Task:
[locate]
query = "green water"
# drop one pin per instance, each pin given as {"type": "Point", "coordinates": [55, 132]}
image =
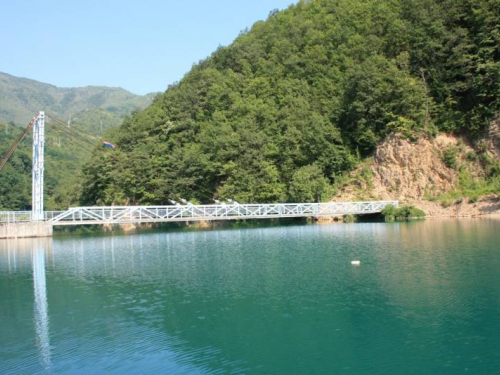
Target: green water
{"type": "Point", "coordinates": [282, 300]}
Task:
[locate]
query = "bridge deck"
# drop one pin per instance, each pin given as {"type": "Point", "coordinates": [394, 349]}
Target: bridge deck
{"type": "Point", "coordinates": [157, 214]}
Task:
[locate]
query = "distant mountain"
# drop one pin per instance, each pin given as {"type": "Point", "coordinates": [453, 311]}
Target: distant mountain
{"type": "Point", "coordinates": [91, 109]}
{"type": "Point", "coordinates": [95, 108]}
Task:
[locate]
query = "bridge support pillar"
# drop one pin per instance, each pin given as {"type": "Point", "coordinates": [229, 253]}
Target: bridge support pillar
{"type": "Point", "coordinates": [38, 167]}
{"type": "Point", "coordinates": [26, 230]}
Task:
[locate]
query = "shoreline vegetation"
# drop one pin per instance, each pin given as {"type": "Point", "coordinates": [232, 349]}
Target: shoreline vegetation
{"type": "Point", "coordinates": [404, 213]}
{"type": "Point", "coordinates": [391, 213]}
{"type": "Point", "coordinates": [117, 230]}
{"type": "Point", "coordinates": [399, 214]}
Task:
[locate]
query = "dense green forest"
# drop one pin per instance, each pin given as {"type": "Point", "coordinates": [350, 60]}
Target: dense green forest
{"type": "Point", "coordinates": [64, 155]}
{"type": "Point", "coordinates": [90, 111]}
{"type": "Point", "coordinates": [299, 99]}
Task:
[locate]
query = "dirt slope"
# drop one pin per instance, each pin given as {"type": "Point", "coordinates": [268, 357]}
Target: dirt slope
{"type": "Point", "coordinates": [415, 172]}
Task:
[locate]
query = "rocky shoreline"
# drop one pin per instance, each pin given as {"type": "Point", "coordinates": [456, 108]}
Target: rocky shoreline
{"type": "Point", "coordinates": [487, 206]}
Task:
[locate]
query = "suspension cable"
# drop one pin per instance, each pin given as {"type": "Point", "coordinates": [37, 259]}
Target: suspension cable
{"type": "Point", "coordinates": [75, 130]}
{"type": "Point", "coordinates": [82, 136]}
{"type": "Point", "coordinates": [16, 143]}
{"type": "Point", "coordinates": [63, 129]}
{"type": "Point", "coordinates": [74, 136]}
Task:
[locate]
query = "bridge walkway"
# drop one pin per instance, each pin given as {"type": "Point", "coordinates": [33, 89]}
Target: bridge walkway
{"type": "Point", "coordinates": [159, 214]}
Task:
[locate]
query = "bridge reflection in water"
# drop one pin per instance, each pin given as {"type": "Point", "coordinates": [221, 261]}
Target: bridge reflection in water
{"type": "Point", "coordinates": [18, 255]}
{"type": "Point", "coordinates": [41, 317]}
{"type": "Point", "coordinates": [275, 300]}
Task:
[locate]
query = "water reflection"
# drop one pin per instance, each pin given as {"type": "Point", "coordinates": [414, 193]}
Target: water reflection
{"type": "Point", "coordinates": [41, 315]}
{"type": "Point", "coordinates": [11, 255]}
{"type": "Point", "coordinates": [275, 300]}
{"type": "Point", "coordinates": [27, 257]}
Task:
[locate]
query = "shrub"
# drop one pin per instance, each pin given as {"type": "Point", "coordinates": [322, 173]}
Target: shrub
{"type": "Point", "coordinates": [391, 213]}
{"type": "Point", "coordinates": [471, 156]}
{"type": "Point", "coordinates": [447, 203]}
{"type": "Point", "coordinates": [404, 127]}
{"type": "Point", "coordinates": [350, 218]}
{"type": "Point", "coordinates": [450, 157]}
{"type": "Point", "coordinates": [482, 146]}
{"type": "Point", "coordinates": [494, 169]}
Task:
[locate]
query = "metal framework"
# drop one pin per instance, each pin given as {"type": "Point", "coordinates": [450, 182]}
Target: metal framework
{"type": "Point", "coordinates": [7, 217]}
{"type": "Point", "coordinates": [152, 214]}
{"type": "Point", "coordinates": [16, 143]}
{"type": "Point", "coordinates": [38, 167]}
{"type": "Point", "coordinates": [149, 214]}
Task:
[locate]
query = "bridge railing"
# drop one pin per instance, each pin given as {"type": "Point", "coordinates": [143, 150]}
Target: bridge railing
{"type": "Point", "coordinates": [15, 216]}
{"type": "Point", "coordinates": [138, 214]}
{"type": "Point", "coordinates": [7, 217]}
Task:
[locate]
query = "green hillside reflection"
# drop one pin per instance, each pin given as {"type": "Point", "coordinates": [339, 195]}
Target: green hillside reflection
{"type": "Point", "coordinates": [269, 300]}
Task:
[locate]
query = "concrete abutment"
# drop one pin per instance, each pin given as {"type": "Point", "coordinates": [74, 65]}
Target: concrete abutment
{"type": "Point", "coordinates": [26, 230]}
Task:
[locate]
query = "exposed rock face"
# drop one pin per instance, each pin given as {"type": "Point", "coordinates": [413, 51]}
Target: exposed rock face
{"type": "Point", "coordinates": [411, 172]}
{"type": "Point", "coordinates": [494, 137]}
{"type": "Point", "coordinates": [405, 170]}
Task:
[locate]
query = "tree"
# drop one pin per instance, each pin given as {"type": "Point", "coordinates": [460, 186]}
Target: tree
{"type": "Point", "coordinates": [308, 184]}
{"type": "Point", "coordinates": [302, 96]}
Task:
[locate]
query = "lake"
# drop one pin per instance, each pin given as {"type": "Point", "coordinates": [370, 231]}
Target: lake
{"type": "Point", "coordinates": [274, 300]}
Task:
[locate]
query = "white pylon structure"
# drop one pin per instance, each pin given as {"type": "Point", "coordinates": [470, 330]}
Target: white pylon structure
{"type": "Point", "coordinates": [38, 167]}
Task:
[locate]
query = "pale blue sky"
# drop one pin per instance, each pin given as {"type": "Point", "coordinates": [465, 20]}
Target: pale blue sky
{"type": "Point", "coordinates": [142, 46]}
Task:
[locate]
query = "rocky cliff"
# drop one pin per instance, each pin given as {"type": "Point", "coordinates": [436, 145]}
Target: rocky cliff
{"type": "Point", "coordinates": [438, 174]}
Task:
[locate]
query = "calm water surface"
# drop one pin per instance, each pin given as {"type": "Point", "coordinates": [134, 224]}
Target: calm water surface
{"type": "Point", "coordinates": [282, 300]}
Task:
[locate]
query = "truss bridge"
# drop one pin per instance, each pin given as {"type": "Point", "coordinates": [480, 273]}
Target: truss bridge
{"type": "Point", "coordinates": [159, 214]}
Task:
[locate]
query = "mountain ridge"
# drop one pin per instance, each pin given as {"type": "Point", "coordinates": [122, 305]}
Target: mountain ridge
{"type": "Point", "coordinates": [66, 87]}
{"type": "Point", "coordinates": [91, 110]}
{"type": "Point", "coordinates": [21, 98]}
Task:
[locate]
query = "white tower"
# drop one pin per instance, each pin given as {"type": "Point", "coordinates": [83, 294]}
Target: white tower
{"type": "Point", "coordinates": [37, 188]}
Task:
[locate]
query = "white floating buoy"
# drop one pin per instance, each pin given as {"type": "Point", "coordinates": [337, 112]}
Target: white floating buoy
{"type": "Point", "coordinates": [356, 263]}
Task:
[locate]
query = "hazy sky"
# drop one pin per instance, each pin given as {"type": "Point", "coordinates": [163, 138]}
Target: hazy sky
{"type": "Point", "coordinates": [142, 46]}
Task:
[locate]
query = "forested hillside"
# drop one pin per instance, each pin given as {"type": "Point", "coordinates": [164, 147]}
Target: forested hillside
{"type": "Point", "coordinates": [88, 110]}
{"type": "Point", "coordinates": [64, 155]}
{"type": "Point", "coordinates": [93, 108]}
{"type": "Point", "coordinates": [297, 101]}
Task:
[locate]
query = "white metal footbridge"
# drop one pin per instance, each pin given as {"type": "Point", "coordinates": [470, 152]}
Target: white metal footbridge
{"type": "Point", "coordinates": [159, 214]}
